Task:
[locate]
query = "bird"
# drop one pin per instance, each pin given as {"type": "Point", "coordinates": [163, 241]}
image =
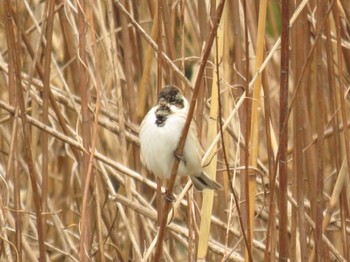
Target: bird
{"type": "Point", "coordinates": [160, 134]}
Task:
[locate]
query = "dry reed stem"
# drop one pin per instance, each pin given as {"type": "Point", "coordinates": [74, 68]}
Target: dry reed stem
{"type": "Point", "coordinates": [255, 104]}
{"type": "Point", "coordinates": [283, 135]}
{"type": "Point", "coordinates": [208, 195]}
{"type": "Point", "coordinates": [299, 36]}
{"type": "Point", "coordinates": [45, 115]}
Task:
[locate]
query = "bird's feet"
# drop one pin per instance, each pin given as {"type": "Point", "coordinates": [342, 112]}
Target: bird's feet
{"type": "Point", "coordinates": [179, 157]}
{"type": "Point", "coordinates": [169, 196]}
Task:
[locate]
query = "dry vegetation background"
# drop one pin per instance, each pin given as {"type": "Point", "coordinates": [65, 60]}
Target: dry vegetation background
{"type": "Point", "coordinates": [76, 78]}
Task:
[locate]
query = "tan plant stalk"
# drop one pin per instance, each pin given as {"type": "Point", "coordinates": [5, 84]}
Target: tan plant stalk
{"type": "Point", "coordinates": [208, 195]}
{"type": "Point", "coordinates": [86, 211]}
{"type": "Point", "coordinates": [45, 147]}
{"type": "Point", "coordinates": [255, 103]}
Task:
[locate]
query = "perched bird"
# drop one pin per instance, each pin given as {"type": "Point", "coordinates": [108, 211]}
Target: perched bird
{"type": "Point", "coordinates": [160, 134]}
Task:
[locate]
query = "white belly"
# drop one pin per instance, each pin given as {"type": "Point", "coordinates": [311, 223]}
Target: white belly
{"type": "Point", "coordinates": [158, 144]}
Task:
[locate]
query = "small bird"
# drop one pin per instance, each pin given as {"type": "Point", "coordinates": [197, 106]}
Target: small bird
{"type": "Point", "coordinates": [160, 134]}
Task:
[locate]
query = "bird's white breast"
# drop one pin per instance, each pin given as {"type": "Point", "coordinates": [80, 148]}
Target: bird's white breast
{"type": "Point", "coordinates": [158, 144]}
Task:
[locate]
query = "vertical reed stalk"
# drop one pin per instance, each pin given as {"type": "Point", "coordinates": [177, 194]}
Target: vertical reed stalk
{"type": "Point", "coordinates": [320, 136]}
{"type": "Point", "coordinates": [283, 135]}
{"type": "Point", "coordinates": [86, 212]}
{"type": "Point", "coordinates": [299, 37]}
{"type": "Point", "coordinates": [245, 179]}
{"type": "Point", "coordinates": [45, 117]}
{"type": "Point", "coordinates": [255, 104]}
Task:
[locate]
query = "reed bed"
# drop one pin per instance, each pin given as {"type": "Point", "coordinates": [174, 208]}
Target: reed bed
{"type": "Point", "coordinates": [268, 84]}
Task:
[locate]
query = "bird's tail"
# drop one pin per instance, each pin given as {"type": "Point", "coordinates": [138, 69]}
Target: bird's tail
{"type": "Point", "coordinates": [203, 181]}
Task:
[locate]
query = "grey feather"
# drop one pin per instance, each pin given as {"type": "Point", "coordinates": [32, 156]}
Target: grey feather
{"type": "Point", "coordinates": [205, 182]}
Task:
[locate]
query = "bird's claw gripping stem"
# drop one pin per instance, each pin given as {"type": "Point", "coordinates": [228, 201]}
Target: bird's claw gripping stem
{"type": "Point", "coordinates": [169, 197]}
{"type": "Point", "coordinates": [179, 157]}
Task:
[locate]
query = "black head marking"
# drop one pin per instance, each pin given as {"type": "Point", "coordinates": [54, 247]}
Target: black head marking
{"type": "Point", "coordinates": [172, 95]}
{"type": "Point", "coordinates": [162, 113]}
